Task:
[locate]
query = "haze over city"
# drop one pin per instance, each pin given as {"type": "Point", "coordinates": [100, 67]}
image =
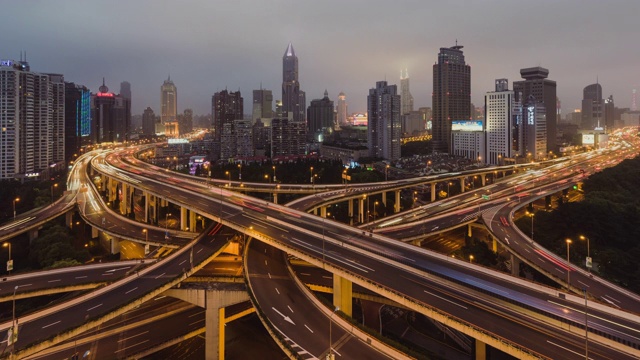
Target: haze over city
{"type": "Point", "coordinates": [342, 45]}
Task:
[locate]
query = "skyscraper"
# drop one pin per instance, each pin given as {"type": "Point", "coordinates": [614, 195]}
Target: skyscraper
{"type": "Point", "coordinates": [544, 90]}
{"type": "Point", "coordinates": [125, 90]}
{"type": "Point", "coordinates": [384, 128]}
{"type": "Point", "coordinates": [293, 99]}
{"type": "Point", "coordinates": [503, 112]}
{"type": "Point", "coordinates": [168, 101]}
{"type": "Point", "coordinates": [534, 129]}
{"type": "Point", "coordinates": [609, 114]}
{"type": "Point", "coordinates": [225, 107]}
{"type": "Point", "coordinates": [57, 97]}
{"type": "Point", "coordinates": [406, 99]}
{"type": "Point", "coordinates": [110, 116]}
{"type": "Point", "coordinates": [451, 95]}
{"type": "Point", "coordinates": [148, 122]}
{"type": "Point", "coordinates": [77, 119]}
{"type": "Point", "coordinates": [592, 108]}
{"type": "Point", "coordinates": [342, 109]}
{"type": "Point", "coordinates": [262, 104]}
{"type": "Point", "coordinates": [320, 115]}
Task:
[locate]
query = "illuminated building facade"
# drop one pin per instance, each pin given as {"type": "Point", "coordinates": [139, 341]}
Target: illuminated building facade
{"type": "Point", "coordinates": [77, 119]}
{"type": "Point", "coordinates": [406, 99]}
{"type": "Point", "coordinates": [226, 106]}
{"type": "Point", "coordinates": [536, 84]}
{"type": "Point", "coordinates": [320, 116]}
{"type": "Point", "coordinates": [168, 101]}
{"type": "Point", "coordinates": [293, 99]}
{"type": "Point", "coordinates": [342, 109]}
{"type": "Point", "coordinates": [110, 116]}
{"type": "Point", "coordinates": [592, 108]}
{"type": "Point", "coordinates": [503, 113]}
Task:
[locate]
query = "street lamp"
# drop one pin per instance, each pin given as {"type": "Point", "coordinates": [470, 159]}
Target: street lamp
{"type": "Point", "coordinates": [229, 175]}
{"type": "Point", "coordinates": [9, 263]}
{"type": "Point", "coordinates": [531, 214]}
{"type": "Point", "coordinates": [568, 265]}
{"type": "Point", "coordinates": [274, 173]}
{"type": "Point", "coordinates": [331, 356]}
{"type": "Point", "coordinates": [470, 259]}
{"type": "Point", "coordinates": [386, 172]}
{"type": "Point", "coordinates": [448, 185]}
{"type": "Point", "coordinates": [53, 187]}
{"type": "Point", "coordinates": [166, 225]}
{"type": "Point", "coordinates": [375, 206]}
{"type": "Point", "coordinates": [239, 172]}
{"type": "Point", "coordinates": [146, 235]}
{"type": "Point", "coordinates": [588, 260]}
{"type": "Point", "coordinates": [14, 207]}
{"type": "Point", "coordinates": [311, 181]}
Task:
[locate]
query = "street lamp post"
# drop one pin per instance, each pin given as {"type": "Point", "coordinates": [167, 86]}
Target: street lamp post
{"type": "Point", "coordinates": [53, 187]}
{"type": "Point", "coordinates": [470, 259]}
{"type": "Point", "coordinates": [331, 356]}
{"type": "Point", "coordinates": [588, 260]}
{"type": "Point", "coordinates": [531, 214]}
{"type": "Point", "coordinates": [8, 244]}
{"type": "Point", "coordinates": [239, 172]}
{"type": "Point", "coordinates": [14, 207]}
{"type": "Point", "coordinates": [229, 175]}
{"type": "Point", "coordinates": [166, 226]}
{"type": "Point", "coordinates": [568, 265]}
{"type": "Point", "coordinates": [386, 173]}
{"type": "Point", "coordinates": [375, 206]}
{"type": "Point", "coordinates": [311, 180]}
{"type": "Point", "coordinates": [274, 173]}
{"type": "Point", "coordinates": [448, 188]}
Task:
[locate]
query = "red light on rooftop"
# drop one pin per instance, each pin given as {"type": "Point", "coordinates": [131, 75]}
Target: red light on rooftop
{"type": "Point", "coordinates": [101, 94]}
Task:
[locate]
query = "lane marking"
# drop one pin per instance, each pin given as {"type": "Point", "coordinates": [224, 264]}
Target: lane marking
{"type": "Point", "coordinates": [290, 308]}
{"type": "Point", "coordinates": [46, 326]}
{"type": "Point", "coordinates": [308, 328]}
{"type": "Point", "coordinates": [277, 291]}
{"type": "Point", "coordinates": [56, 280]}
{"type": "Point", "coordinates": [97, 306]}
{"type": "Point", "coordinates": [132, 336]}
{"type": "Point", "coordinates": [128, 347]}
{"type": "Point", "coordinates": [447, 300]}
{"type": "Point", "coordinates": [131, 290]}
{"type": "Point", "coordinates": [564, 348]}
{"type": "Point", "coordinates": [159, 276]}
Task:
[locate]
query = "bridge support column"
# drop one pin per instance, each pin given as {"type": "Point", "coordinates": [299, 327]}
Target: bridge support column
{"type": "Point", "coordinates": [461, 185]}
{"type": "Point", "coordinates": [504, 173]}
{"type": "Point", "coordinates": [275, 198]}
{"type": "Point", "coordinates": [515, 265]}
{"type": "Point", "coordinates": [147, 198]}
{"type": "Point", "coordinates": [433, 192]}
{"type": "Point", "coordinates": [68, 219]}
{"type": "Point", "coordinates": [94, 232]}
{"type": "Point", "coordinates": [323, 211]}
{"type": "Point", "coordinates": [396, 204]}
{"type": "Point", "coordinates": [494, 245]}
{"type": "Point", "coordinates": [183, 218]}
{"type": "Point", "coordinates": [384, 198]}
{"type": "Point", "coordinates": [193, 218]}
{"type": "Point", "coordinates": [350, 202]}
{"type": "Point", "coordinates": [342, 294]}
{"type": "Point", "coordinates": [32, 235]}
{"type": "Point", "coordinates": [416, 242]}
{"type": "Point", "coordinates": [480, 350]}
{"type": "Point", "coordinates": [125, 199]}
{"type": "Point", "coordinates": [361, 210]}
{"type": "Point", "coordinates": [483, 179]}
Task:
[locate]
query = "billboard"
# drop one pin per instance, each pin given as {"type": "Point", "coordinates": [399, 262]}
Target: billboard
{"type": "Point", "coordinates": [466, 125]}
{"type": "Point", "coordinates": [588, 139]}
{"type": "Point", "coordinates": [178, 141]}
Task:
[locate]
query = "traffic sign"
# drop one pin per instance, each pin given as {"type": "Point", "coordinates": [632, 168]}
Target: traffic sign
{"type": "Point", "coordinates": [486, 197]}
{"type": "Point", "coordinates": [9, 265]}
{"type": "Point", "coordinates": [589, 264]}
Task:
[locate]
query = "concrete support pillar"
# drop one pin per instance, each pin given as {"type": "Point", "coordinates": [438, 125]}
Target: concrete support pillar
{"type": "Point", "coordinates": [213, 325]}
{"type": "Point", "coordinates": [396, 205]}
{"type": "Point", "coordinates": [469, 232]}
{"type": "Point", "coordinates": [480, 350]}
{"type": "Point", "coordinates": [323, 211]}
{"type": "Point", "coordinates": [183, 218]}
{"type": "Point", "coordinates": [342, 294]}
{"type": "Point", "coordinates": [275, 198]}
{"type": "Point", "coordinates": [494, 245]}
{"type": "Point", "coordinates": [147, 199]}
{"type": "Point", "coordinates": [125, 199]}
{"type": "Point", "coordinates": [32, 235]}
{"type": "Point", "coordinates": [68, 219]}
{"type": "Point", "coordinates": [433, 192]}
{"type": "Point", "coordinates": [461, 185]}
{"type": "Point", "coordinates": [515, 265]}
{"type": "Point", "coordinates": [94, 232]}
{"type": "Point", "coordinates": [361, 210]}
{"type": "Point", "coordinates": [483, 179]}
{"type": "Point", "coordinates": [384, 198]}
{"type": "Point", "coordinates": [114, 245]}
{"type": "Point", "coordinates": [416, 242]}
{"type": "Point", "coordinates": [350, 202]}
{"type": "Point", "coordinates": [193, 219]}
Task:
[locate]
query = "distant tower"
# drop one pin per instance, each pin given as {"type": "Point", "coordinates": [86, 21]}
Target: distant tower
{"type": "Point", "coordinates": [592, 107]}
{"type": "Point", "coordinates": [451, 95]}
{"type": "Point", "coordinates": [262, 104]}
{"type": "Point", "coordinates": [406, 99]}
{"type": "Point", "coordinates": [342, 109]}
{"type": "Point", "coordinates": [544, 90]}
{"type": "Point", "coordinates": [634, 100]}
{"type": "Point", "coordinates": [293, 99]}
{"type": "Point", "coordinates": [125, 90]}
{"type": "Point", "coordinates": [168, 101]}
{"type": "Point", "coordinates": [384, 128]}
{"type": "Point", "coordinates": [320, 115]}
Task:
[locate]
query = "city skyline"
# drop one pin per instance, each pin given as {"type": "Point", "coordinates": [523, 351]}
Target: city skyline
{"type": "Point", "coordinates": [136, 47]}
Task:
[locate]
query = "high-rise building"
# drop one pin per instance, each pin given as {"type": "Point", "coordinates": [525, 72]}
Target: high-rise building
{"type": "Point", "coordinates": [186, 121]}
{"type": "Point", "coordinates": [451, 95]}
{"type": "Point", "coordinates": [320, 116]}
{"type": "Point", "coordinates": [243, 131]}
{"type": "Point", "coordinates": [384, 128]}
{"type": "Point", "coordinates": [125, 90]}
{"type": "Point", "coordinates": [293, 99]}
{"type": "Point", "coordinates": [77, 118]}
{"type": "Point", "coordinates": [534, 129]}
{"type": "Point", "coordinates": [503, 113]}
{"type": "Point", "coordinates": [287, 137]}
{"type": "Point", "coordinates": [168, 101]}
{"type": "Point", "coordinates": [32, 114]}
{"type": "Point", "coordinates": [342, 109]}
{"type": "Point", "coordinates": [609, 114]}
{"type": "Point", "coordinates": [634, 100]}
{"type": "Point", "coordinates": [262, 104]}
{"type": "Point", "coordinates": [148, 122]}
{"type": "Point", "coordinates": [592, 107]}
{"type": "Point", "coordinates": [406, 99]}
{"type": "Point", "coordinates": [110, 116]}
{"type": "Point", "coordinates": [544, 90]}
{"type": "Point", "coordinates": [225, 107]}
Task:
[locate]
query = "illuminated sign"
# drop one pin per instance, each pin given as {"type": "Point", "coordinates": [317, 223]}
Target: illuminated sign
{"type": "Point", "coordinates": [530, 115]}
{"type": "Point", "coordinates": [101, 94]}
{"type": "Point", "coordinates": [588, 139]}
{"type": "Point", "coordinates": [6, 62]}
{"type": "Point", "coordinates": [466, 125]}
{"type": "Point", "coordinates": [178, 141]}
{"type": "Point", "coordinates": [32, 174]}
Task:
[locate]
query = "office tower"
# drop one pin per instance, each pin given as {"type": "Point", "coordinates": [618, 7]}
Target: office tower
{"type": "Point", "coordinates": [384, 128]}
{"type": "Point", "coordinates": [320, 116]}
{"type": "Point", "coordinates": [287, 137]}
{"type": "Point", "coordinates": [261, 138]}
{"type": "Point", "coordinates": [125, 90]}
{"type": "Point", "coordinates": [634, 100]}
{"type": "Point", "coordinates": [186, 121]}
{"type": "Point", "coordinates": [293, 99]}
{"type": "Point", "coordinates": [279, 111]}
{"type": "Point", "coordinates": [534, 129]}
{"type": "Point", "coordinates": [243, 131]}
{"type": "Point", "coordinates": [609, 114]}
{"type": "Point", "coordinates": [148, 122]}
{"type": "Point", "coordinates": [426, 114]}
{"type": "Point", "coordinates": [110, 116]}
{"type": "Point", "coordinates": [77, 118]}
{"type": "Point", "coordinates": [451, 95]}
{"type": "Point", "coordinates": [342, 109]}
{"type": "Point", "coordinates": [406, 99]}
{"type": "Point", "coordinates": [262, 104]}
{"type": "Point", "coordinates": [57, 125]}
{"type": "Point", "coordinates": [544, 90]}
{"type": "Point", "coordinates": [592, 107]}
{"type": "Point", "coordinates": [168, 101]}
{"type": "Point", "coordinates": [503, 112]}
{"type": "Point", "coordinates": [225, 107]}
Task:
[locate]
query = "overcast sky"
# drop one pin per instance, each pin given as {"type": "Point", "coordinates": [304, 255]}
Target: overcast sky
{"type": "Point", "coordinates": [345, 45]}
